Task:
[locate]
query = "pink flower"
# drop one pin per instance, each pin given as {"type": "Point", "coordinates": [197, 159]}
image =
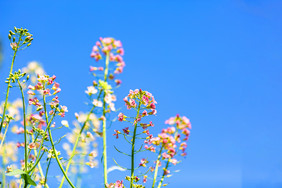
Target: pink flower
{"type": "Point", "coordinates": [120, 116]}
{"type": "Point", "coordinates": [116, 134]}
{"type": "Point", "coordinates": [117, 43]}
{"type": "Point", "coordinates": [145, 179]}
{"type": "Point", "coordinates": [14, 46]}
{"type": "Point", "coordinates": [173, 161]}
{"type": "Point", "coordinates": [143, 162]}
{"type": "Point", "coordinates": [125, 130]}
{"type": "Point", "coordinates": [119, 184]}
{"type": "Point", "coordinates": [118, 82]}
{"type": "Point", "coordinates": [32, 145]}
{"type": "Point", "coordinates": [166, 171]}
{"type": "Point", "coordinates": [165, 155]}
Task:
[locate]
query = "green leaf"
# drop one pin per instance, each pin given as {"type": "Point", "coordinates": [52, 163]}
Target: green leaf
{"type": "Point", "coordinates": [16, 172]}
{"type": "Point", "coordinates": [28, 179]}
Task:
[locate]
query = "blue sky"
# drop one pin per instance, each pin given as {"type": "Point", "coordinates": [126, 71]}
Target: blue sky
{"type": "Point", "coordinates": [217, 62]}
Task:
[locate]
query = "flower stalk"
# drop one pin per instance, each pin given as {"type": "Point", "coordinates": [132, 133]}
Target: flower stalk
{"type": "Point", "coordinates": [104, 124]}
{"type": "Point", "coordinates": [133, 143]}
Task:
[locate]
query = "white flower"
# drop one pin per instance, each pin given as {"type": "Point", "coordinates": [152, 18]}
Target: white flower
{"type": "Point", "coordinates": [65, 123]}
{"type": "Point", "coordinates": [97, 103]}
{"type": "Point", "coordinates": [91, 90]}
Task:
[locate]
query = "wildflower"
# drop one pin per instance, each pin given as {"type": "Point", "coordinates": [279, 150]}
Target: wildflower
{"type": "Point", "coordinates": [97, 103]}
{"type": "Point", "coordinates": [166, 171]}
{"type": "Point", "coordinates": [117, 133]}
{"type": "Point", "coordinates": [119, 184]}
{"type": "Point", "coordinates": [143, 162]}
{"type": "Point", "coordinates": [145, 179]}
{"type": "Point", "coordinates": [125, 130]}
{"type": "Point", "coordinates": [32, 145]}
{"type": "Point", "coordinates": [173, 161]}
{"type": "Point", "coordinates": [91, 90]}
{"type": "Point", "coordinates": [121, 117]}
{"type": "Point", "coordinates": [92, 164]}
{"type": "Point", "coordinates": [65, 123]}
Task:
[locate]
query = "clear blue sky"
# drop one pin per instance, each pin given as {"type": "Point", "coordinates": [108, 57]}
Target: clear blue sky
{"type": "Point", "coordinates": [217, 62]}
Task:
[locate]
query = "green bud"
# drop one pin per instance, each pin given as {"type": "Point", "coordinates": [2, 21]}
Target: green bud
{"type": "Point", "coordinates": [10, 36]}
{"type": "Point", "coordinates": [27, 77]}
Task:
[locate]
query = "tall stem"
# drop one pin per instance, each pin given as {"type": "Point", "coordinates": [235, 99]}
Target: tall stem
{"type": "Point", "coordinates": [25, 133]}
{"type": "Point", "coordinates": [104, 124]}
{"type": "Point", "coordinates": [9, 85]}
{"type": "Point", "coordinates": [53, 146]}
{"type": "Point", "coordinates": [157, 167]}
{"type": "Point", "coordinates": [133, 144]}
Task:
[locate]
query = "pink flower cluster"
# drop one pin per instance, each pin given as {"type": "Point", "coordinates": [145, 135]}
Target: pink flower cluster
{"type": "Point", "coordinates": [113, 50]}
{"type": "Point", "coordinates": [117, 184]}
{"type": "Point", "coordinates": [46, 86]}
{"type": "Point", "coordinates": [139, 99]}
{"type": "Point", "coordinates": [172, 139]}
{"type": "Point", "coordinates": [146, 99]}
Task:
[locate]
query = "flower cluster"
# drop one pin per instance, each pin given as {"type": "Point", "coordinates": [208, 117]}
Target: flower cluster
{"type": "Point", "coordinates": [19, 38]}
{"type": "Point", "coordinates": [46, 86]}
{"type": "Point", "coordinates": [117, 184]}
{"type": "Point", "coordinates": [170, 142]}
{"type": "Point", "coordinates": [113, 51]}
{"type": "Point", "coordinates": [37, 122]}
{"type": "Point", "coordinates": [138, 99]}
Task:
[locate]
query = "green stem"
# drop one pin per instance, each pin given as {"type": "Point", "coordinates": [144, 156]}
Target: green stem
{"type": "Point", "coordinates": [3, 173]}
{"type": "Point", "coordinates": [9, 85]}
{"type": "Point", "coordinates": [104, 125]}
{"type": "Point", "coordinates": [4, 136]}
{"type": "Point", "coordinates": [45, 179]}
{"type": "Point", "coordinates": [133, 144]}
{"type": "Point", "coordinates": [162, 179]}
{"type": "Point", "coordinates": [77, 140]}
{"type": "Point", "coordinates": [39, 165]}
{"type": "Point", "coordinates": [52, 143]}
{"type": "Point", "coordinates": [41, 145]}
{"type": "Point", "coordinates": [25, 132]}
{"type": "Point", "coordinates": [167, 163]}
{"type": "Point", "coordinates": [157, 167]}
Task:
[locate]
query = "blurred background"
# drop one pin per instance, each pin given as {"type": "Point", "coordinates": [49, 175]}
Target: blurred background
{"type": "Point", "coordinates": [216, 62]}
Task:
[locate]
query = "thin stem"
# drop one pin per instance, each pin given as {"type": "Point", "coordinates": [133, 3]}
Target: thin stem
{"type": "Point", "coordinates": [4, 136]}
{"type": "Point", "coordinates": [3, 173]}
{"type": "Point", "coordinates": [25, 133]}
{"type": "Point", "coordinates": [9, 84]}
{"type": "Point", "coordinates": [133, 145]}
{"type": "Point", "coordinates": [77, 140]}
{"type": "Point", "coordinates": [41, 145]}
{"type": "Point", "coordinates": [52, 143]}
{"type": "Point", "coordinates": [160, 184]}
{"type": "Point", "coordinates": [167, 163]}
{"type": "Point", "coordinates": [45, 179]}
{"type": "Point", "coordinates": [157, 166]}
{"type": "Point", "coordinates": [39, 165]}
{"type": "Point", "coordinates": [104, 125]}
